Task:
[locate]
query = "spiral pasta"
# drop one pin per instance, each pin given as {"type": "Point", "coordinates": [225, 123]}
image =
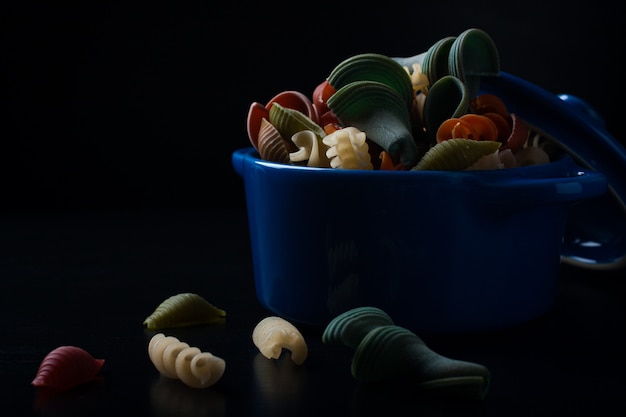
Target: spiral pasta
{"type": "Point", "coordinates": [348, 149]}
{"type": "Point", "coordinates": [272, 334]}
{"type": "Point", "coordinates": [177, 360]}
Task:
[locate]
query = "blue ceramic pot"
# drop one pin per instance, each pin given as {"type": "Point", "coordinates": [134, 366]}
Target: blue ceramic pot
{"type": "Point", "coordinates": [438, 251]}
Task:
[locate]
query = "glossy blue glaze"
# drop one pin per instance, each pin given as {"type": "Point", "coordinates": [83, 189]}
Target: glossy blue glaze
{"type": "Point", "coordinates": [439, 251]}
{"type": "Point", "coordinates": [596, 230]}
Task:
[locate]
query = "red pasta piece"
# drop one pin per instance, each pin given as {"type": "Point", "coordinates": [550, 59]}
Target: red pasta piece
{"type": "Point", "coordinates": [66, 367]}
{"type": "Point", "coordinates": [489, 103]}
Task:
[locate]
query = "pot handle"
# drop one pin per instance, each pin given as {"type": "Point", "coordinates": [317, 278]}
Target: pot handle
{"type": "Point", "coordinates": [577, 184]}
{"type": "Point", "coordinates": [571, 123]}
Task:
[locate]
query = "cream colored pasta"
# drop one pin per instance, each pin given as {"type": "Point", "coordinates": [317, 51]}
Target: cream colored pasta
{"type": "Point", "coordinates": [273, 334]}
{"type": "Point", "coordinates": [348, 149]}
{"type": "Point", "coordinates": [177, 360]}
{"type": "Point", "coordinates": [311, 149]}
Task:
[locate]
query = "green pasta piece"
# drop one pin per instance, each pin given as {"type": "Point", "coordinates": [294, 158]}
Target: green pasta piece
{"type": "Point", "coordinates": [456, 154]}
{"type": "Point", "coordinates": [183, 310]}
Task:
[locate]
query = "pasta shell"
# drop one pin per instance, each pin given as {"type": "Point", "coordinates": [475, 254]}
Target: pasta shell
{"type": "Point", "coordinates": [436, 59]}
{"type": "Point", "coordinates": [456, 154]}
{"type": "Point", "coordinates": [289, 99]}
{"type": "Point", "coordinates": [433, 62]}
{"type": "Point", "coordinates": [289, 122]}
{"type": "Point", "coordinates": [66, 367]}
{"type": "Point", "coordinates": [297, 101]}
{"type": "Point", "coordinates": [256, 113]}
{"type": "Point", "coordinates": [384, 352]}
{"type": "Point", "coordinates": [447, 98]}
{"type": "Point", "coordinates": [350, 327]}
{"type": "Point", "coordinates": [378, 110]}
{"type": "Point", "coordinates": [272, 146]}
{"type": "Point", "coordinates": [182, 310]}
{"type": "Point", "coordinates": [373, 67]}
{"type": "Point", "coordinates": [392, 351]}
{"type": "Point", "coordinates": [473, 55]}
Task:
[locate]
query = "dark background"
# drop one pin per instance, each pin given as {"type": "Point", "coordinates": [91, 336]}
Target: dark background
{"type": "Point", "coordinates": [135, 105]}
{"type": "Point", "coordinates": [138, 106]}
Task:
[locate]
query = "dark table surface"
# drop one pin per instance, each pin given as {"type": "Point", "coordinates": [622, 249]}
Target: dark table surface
{"type": "Point", "coordinates": [89, 279]}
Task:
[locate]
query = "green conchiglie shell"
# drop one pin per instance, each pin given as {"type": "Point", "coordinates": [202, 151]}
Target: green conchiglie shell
{"type": "Point", "coordinates": [455, 154]}
{"type": "Point", "coordinates": [182, 310]}
{"type": "Point", "coordinates": [350, 327]}
{"type": "Point", "coordinates": [473, 55]}
{"type": "Point", "coordinates": [447, 98]}
{"type": "Point", "coordinates": [389, 352]}
{"type": "Point", "coordinates": [385, 352]}
{"type": "Point", "coordinates": [290, 121]}
{"type": "Point", "coordinates": [435, 64]}
{"type": "Point", "coordinates": [377, 110]}
{"type": "Point", "coordinates": [373, 67]}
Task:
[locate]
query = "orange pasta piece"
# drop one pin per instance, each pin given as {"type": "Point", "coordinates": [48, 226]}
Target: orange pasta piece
{"type": "Point", "coordinates": [489, 103]}
{"type": "Point", "coordinates": [387, 163]}
{"type": "Point", "coordinates": [468, 126]}
{"type": "Point", "coordinates": [330, 128]}
{"type": "Point", "coordinates": [482, 127]}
